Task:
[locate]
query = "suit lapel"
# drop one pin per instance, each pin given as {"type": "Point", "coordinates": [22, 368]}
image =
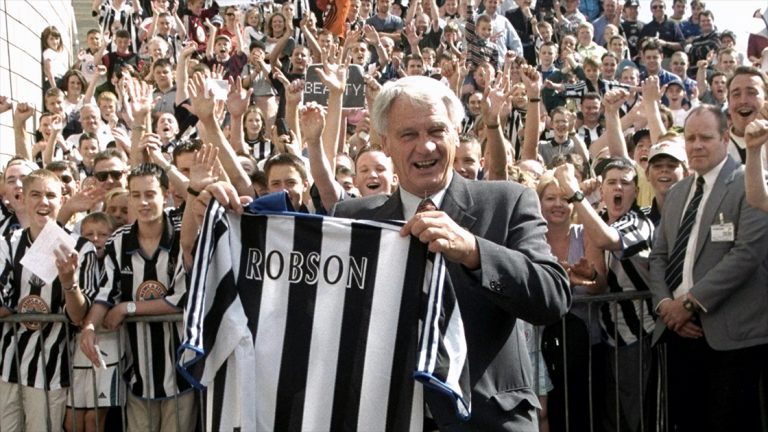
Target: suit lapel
{"type": "Point", "coordinates": [677, 207]}
{"type": "Point", "coordinates": [457, 199]}
{"type": "Point", "coordinates": [719, 190]}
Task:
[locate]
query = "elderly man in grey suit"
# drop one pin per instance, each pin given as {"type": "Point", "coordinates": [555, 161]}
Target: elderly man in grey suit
{"type": "Point", "coordinates": [493, 236]}
{"type": "Point", "coordinates": [709, 272]}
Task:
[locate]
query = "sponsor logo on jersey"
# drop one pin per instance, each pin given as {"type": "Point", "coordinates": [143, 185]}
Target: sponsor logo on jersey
{"type": "Point", "coordinates": [33, 304]}
{"type": "Point", "coordinates": [150, 290]}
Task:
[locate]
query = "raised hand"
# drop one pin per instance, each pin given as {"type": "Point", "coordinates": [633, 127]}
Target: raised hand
{"type": "Point", "coordinates": [312, 117]}
{"type": "Point", "coordinates": [333, 74]}
{"type": "Point", "coordinates": [294, 93]}
{"type": "Point", "coordinates": [531, 80]}
{"type": "Point", "coordinates": [494, 99]}
{"type": "Point", "coordinates": [651, 90]}
{"type": "Point", "coordinates": [23, 112]}
{"type": "Point", "coordinates": [206, 168]}
{"type": "Point", "coordinates": [756, 133]}
{"type": "Point", "coordinates": [237, 98]}
{"type": "Point", "coordinates": [5, 104]}
{"type": "Point", "coordinates": [202, 104]}
{"type": "Point", "coordinates": [614, 99]}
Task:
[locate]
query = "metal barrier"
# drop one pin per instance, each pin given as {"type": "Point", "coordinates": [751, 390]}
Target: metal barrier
{"type": "Point", "coordinates": [595, 404]}
{"type": "Point", "coordinates": [60, 318]}
{"type": "Point", "coordinates": [569, 417]}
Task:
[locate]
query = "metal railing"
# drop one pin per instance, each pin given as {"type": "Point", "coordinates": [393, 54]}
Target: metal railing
{"type": "Point", "coordinates": [60, 318]}
{"type": "Point", "coordinates": [574, 359]}
{"type": "Point", "coordinates": [566, 409]}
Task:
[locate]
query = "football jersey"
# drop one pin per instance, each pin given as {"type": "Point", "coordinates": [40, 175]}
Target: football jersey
{"type": "Point", "coordinates": [150, 371]}
{"type": "Point", "coordinates": [305, 322]}
{"type": "Point", "coordinates": [23, 291]}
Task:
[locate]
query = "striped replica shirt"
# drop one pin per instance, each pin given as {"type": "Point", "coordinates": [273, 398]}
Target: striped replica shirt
{"type": "Point", "coordinates": [23, 291]}
{"type": "Point", "coordinates": [629, 270]}
{"type": "Point", "coordinates": [132, 276]}
{"type": "Point", "coordinates": [304, 322]}
{"type": "Point", "coordinates": [9, 222]}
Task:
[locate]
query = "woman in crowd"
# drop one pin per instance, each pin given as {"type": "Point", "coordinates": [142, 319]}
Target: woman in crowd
{"type": "Point", "coordinates": [55, 60]}
{"type": "Point", "coordinates": [585, 266]}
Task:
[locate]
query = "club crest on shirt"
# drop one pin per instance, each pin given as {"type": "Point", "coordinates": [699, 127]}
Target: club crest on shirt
{"type": "Point", "coordinates": [33, 304]}
{"type": "Point", "coordinates": [150, 290]}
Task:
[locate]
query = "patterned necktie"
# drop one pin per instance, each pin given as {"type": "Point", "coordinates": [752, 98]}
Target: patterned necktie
{"type": "Point", "coordinates": [674, 273]}
{"type": "Point", "coordinates": [426, 205]}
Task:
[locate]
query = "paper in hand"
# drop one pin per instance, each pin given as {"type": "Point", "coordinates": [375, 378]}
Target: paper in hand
{"type": "Point", "coordinates": [40, 257]}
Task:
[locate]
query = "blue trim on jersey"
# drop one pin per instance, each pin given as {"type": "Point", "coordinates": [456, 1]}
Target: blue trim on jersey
{"type": "Point", "coordinates": [182, 368]}
{"type": "Point", "coordinates": [430, 381]}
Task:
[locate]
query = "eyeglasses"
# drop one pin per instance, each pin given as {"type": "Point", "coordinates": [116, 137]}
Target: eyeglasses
{"type": "Point", "coordinates": [658, 6]}
{"type": "Point", "coordinates": [230, 14]}
{"type": "Point", "coordinates": [102, 176]}
{"type": "Point", "coordinates": [65, 178]}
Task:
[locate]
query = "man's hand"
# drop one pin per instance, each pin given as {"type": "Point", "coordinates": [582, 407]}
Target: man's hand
{"type": "Point", "coordinates": [206, 167]}
{"type": "Point", "coordinates": [5, 104]}
{"type": "Point", "coordinates": [115, 317]}
{"type": "Point", "coordinates": [651, 90]}
{"type": "Point", "coordinates": [224, 193]}
{"type": "Point", "coordinates": [294, 93]}
{"type": "Point", "coordinates": [89, 344]}
{"type": "Point", "coordinates": [312, 118]}
{"type": "Point", "coordinates": [531, 79]}
{"type": "Point", "coordinates": [22, 113]}
{"type": "Point", "coordinates": [202, 104]}
{"type": "Point", "coordinates": [678, 318]}
{"type": "Point", "coordinates": [756, 133]}
{"type": "Point", "coordinates": [237, 98]}
{"type": "Point", "coordinates": [444, 235]}
{"type": "Point", "coordinates": [566, 176]}
{"type": "Point", "coordinates": [66, 265]}
{"type": "Point", "coordinates": [334, 73]}
{"type": "Point", "coordinates": [614, 99]}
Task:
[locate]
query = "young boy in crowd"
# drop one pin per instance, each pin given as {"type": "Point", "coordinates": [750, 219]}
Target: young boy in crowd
{"type": "Point", "coordinates": [34, 366]}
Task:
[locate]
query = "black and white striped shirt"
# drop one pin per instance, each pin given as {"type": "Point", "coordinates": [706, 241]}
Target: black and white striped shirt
{"type": "Point", "coordinates": [9, 222]}
{"type": "Point", "coordinates": [629, 270]}
{"type": "Point", "coordinates": [314, 323]}
{"type": "Point", "coordinates": [133, 276]}
{"type": "Point", "coordinates": [23, 291]}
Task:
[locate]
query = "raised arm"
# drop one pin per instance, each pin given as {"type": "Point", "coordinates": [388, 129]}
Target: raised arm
{"type": "Point", "coordinates": [756, 136]}
{"type": "Point", "coordinates": [495, 97]}
{"type": "Point", "coordinates": [202, 105]}
{"type": "Point", "coordinates": [237, 104]}
{"type": "Point", "coordinates": [602, 235]}
{"type": "Point", "coordinates": [532, 81]}
{"type": "Point", "coordinates": [651, 101]}
{"type": "Point", "coordinates": [20, 116]}
{"type": "Point", "coordinates": [182, 75]}
{"type": "Point", "coordinates": [312, 124]}
{"type": "Point", "coordinates": [612, 102]}
{"type": "Point", "coordinates": [334, 76]}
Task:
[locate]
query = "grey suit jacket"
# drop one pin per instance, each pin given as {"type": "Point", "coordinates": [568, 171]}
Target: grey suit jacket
{"type": "Point", "coordinates": [518, 278]}
{"type": "Point", "coordinates": [730, 278]}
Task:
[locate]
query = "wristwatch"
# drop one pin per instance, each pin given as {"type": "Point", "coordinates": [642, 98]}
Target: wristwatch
{"type": "Point", "coordinates": [577, 196]}
{"type": "Point", "coordinates": [131, 308]}
{"type": "Point", "coordinates": [689, 305]}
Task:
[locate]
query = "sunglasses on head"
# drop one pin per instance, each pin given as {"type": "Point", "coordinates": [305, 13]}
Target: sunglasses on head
{"type": "Point", "coordinates": [103, 175]}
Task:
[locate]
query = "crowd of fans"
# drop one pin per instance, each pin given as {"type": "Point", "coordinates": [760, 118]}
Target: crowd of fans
{"type": "Point", "coordinates": [576, 99]}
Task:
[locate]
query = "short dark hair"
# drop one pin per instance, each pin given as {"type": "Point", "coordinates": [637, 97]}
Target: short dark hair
{"type": "Point", "coordinates": [750, 71]}
{"type": "Point", "coordinates": [61, 165]}
{"type": "Point", "coordinates": [122, 34]}
{"type": "Point", "coordinates": [623, 164]}
{"type": "Point", "coordinates": [149, 170]}
{"type": "Point", "coordinates": [185, 146]}
{"type": "Point", "coordinates": [163, 62]}
{"type": "Point", "coordinates": [257, 44]}
{"type": "Point", "coordinates": [109, 154]}
{"type": "Point", "coordinates": [286, 159]}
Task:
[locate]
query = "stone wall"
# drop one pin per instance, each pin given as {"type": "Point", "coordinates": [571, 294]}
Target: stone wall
{"type": "Point", "coordinates": [21, 76]}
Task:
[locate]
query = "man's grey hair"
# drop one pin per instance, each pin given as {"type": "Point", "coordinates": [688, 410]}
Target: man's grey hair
{"type": "Point", "coordinates": [419, 90]}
